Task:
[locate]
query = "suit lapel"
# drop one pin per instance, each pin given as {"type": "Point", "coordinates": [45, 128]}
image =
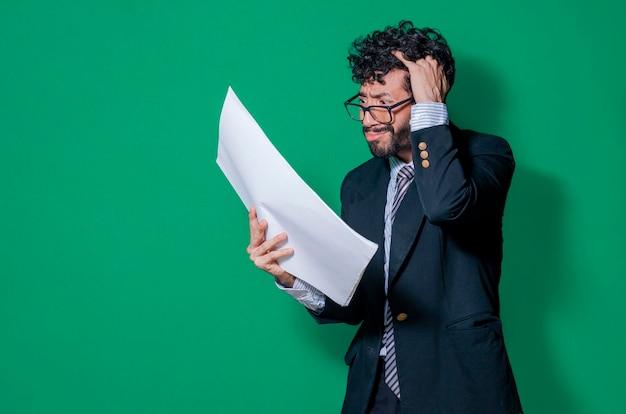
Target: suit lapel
{"type": "Point", "coordinates": [406, 228]}
{"type": "Point", "coordinates": [366, 212]}
{"type": "Point", "coordinates": [366, 215]}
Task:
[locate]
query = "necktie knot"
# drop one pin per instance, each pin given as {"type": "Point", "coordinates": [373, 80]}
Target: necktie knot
{"type": "Point", "coordinates": [403, 182]}
{"type": "Point", "coordinates": [406, 173]}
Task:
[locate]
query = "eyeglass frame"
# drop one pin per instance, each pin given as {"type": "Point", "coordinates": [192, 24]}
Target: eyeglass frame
{"type": "Point", "coordinates": [365, 109]}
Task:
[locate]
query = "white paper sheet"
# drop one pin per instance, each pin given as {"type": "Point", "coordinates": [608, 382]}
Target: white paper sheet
{"type": "Point", "coordinates": [328, 254]}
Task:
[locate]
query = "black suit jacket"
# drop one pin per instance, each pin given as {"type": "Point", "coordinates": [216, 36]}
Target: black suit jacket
{"type": "Point", "coordinates": [445, 262]}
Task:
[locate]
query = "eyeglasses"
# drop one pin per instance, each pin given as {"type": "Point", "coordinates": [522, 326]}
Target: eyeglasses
{"type": "Point", "coordinates": [380, 113]}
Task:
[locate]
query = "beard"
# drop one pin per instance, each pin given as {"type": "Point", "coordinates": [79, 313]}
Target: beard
{"type": "Point", "coordinates": [400, 140]}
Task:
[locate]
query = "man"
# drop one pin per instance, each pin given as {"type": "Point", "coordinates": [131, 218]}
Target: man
{"type": "Point", "coordinates": [430, 339]}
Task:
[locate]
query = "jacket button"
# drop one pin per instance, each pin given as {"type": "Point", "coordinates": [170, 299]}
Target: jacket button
{"type": "Point", "coordinates": [425, 163]}
{"type": "Point", "coordinates": [422, 146]}
{"type": "Point", "coordinates": [402, 317]}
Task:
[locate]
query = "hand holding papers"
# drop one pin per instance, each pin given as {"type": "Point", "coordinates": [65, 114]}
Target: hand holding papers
{"type": "Point", "coordinates": [328, 254]}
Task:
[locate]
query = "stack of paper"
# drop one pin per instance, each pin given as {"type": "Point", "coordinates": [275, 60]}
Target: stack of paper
{"type": "Point", "coordinates": [328, 254]}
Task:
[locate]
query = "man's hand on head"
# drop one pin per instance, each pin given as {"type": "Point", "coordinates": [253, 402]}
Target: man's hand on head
{"type": "Point", "coordinates": [265, 253]}
{"type": "Point", "coordinates": [428, 80]}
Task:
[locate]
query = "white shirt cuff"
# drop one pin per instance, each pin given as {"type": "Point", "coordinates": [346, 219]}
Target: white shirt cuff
{"type": "Point", "coordinates": [306, 294]}
{"type": "Point", "coordinates": [428, 114]}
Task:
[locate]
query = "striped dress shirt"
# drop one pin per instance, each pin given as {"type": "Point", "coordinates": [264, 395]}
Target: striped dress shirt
{"type": "Point", "coordinates": [423, 115]}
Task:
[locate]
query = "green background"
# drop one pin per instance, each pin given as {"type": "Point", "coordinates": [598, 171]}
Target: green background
{"type": "Point", "coordinates": [124, 282]}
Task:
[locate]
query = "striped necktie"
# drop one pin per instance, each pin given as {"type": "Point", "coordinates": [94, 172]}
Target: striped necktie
{"type": "Point", "coordinates": [405, 176]}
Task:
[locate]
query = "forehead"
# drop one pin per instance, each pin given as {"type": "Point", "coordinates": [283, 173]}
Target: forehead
{"type": "Point", "coordinates": [392, 84]}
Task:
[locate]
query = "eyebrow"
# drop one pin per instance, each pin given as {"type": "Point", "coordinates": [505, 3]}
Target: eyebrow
{"type": "Point", "coordinates": [377, 95]}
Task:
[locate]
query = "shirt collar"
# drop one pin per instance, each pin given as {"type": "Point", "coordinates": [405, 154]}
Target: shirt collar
{"type": "Point", "coordinates": [396, 165]}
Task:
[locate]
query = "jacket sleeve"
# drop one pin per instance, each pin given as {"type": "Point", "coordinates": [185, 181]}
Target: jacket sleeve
{"type": "Point", "coordinates": [460, 178]}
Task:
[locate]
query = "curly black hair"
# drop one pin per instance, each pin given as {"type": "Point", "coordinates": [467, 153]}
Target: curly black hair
{"type": "Point", "coordinates": [371, 54]}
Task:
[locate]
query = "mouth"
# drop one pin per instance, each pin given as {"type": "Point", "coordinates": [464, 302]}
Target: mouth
{"type": "Point", "coordinates": [373, 134]}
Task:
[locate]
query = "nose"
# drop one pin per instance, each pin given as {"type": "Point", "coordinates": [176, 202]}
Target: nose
{"type": "Point", "coordinates": [368, 119]}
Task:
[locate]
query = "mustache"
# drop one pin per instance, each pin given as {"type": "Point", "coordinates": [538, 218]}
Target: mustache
{"type": "Point", "coordinates": [378, 129]}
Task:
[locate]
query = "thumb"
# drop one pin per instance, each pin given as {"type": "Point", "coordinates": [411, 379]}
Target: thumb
{"type": "Point", "coordinates": [400, 56]}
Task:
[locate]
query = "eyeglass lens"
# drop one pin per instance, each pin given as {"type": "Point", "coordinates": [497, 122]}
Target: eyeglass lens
{"type": "Point", "coordinates": [380, 114]}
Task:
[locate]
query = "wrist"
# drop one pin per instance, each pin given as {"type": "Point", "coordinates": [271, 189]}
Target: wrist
{"type": "Point", "coordinates": [286, 281]}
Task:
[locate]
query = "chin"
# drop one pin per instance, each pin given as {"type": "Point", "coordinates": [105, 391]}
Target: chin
{"type": "Point", "coordinates": [380, 151]}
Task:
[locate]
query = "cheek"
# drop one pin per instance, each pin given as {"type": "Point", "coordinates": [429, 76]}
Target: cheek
{"type": "Point", "coordinates": [402, 119]}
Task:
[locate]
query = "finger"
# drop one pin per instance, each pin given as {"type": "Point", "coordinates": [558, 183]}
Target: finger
{"type": "Point", "coordinates": [258, 233]}
{"type": "Point", "coordinates": [274, 255]}
{"type": "Point", "coordinates": [252, 213]}
{"type": "Point", "coordinates": [431, 67]}
{"type": "Point", "coordinates": [420, 62]}
{"type": "Point", "coordinates": [273, 268]}
{"type": "Point", "coordinates": [252, 216]}
{"type": "Point", "coordinates": [427, 63]}
{"type": "Point", "coordinates": [257, 230]}
{"type": "Point", "coordinates": [269, 260]}
{"type": "Point", "coordinates": [433, 63]}
{"type": "Point", "coordinates": [269, 245]}
{"type": "Point", "coordinates": [400, 56]}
